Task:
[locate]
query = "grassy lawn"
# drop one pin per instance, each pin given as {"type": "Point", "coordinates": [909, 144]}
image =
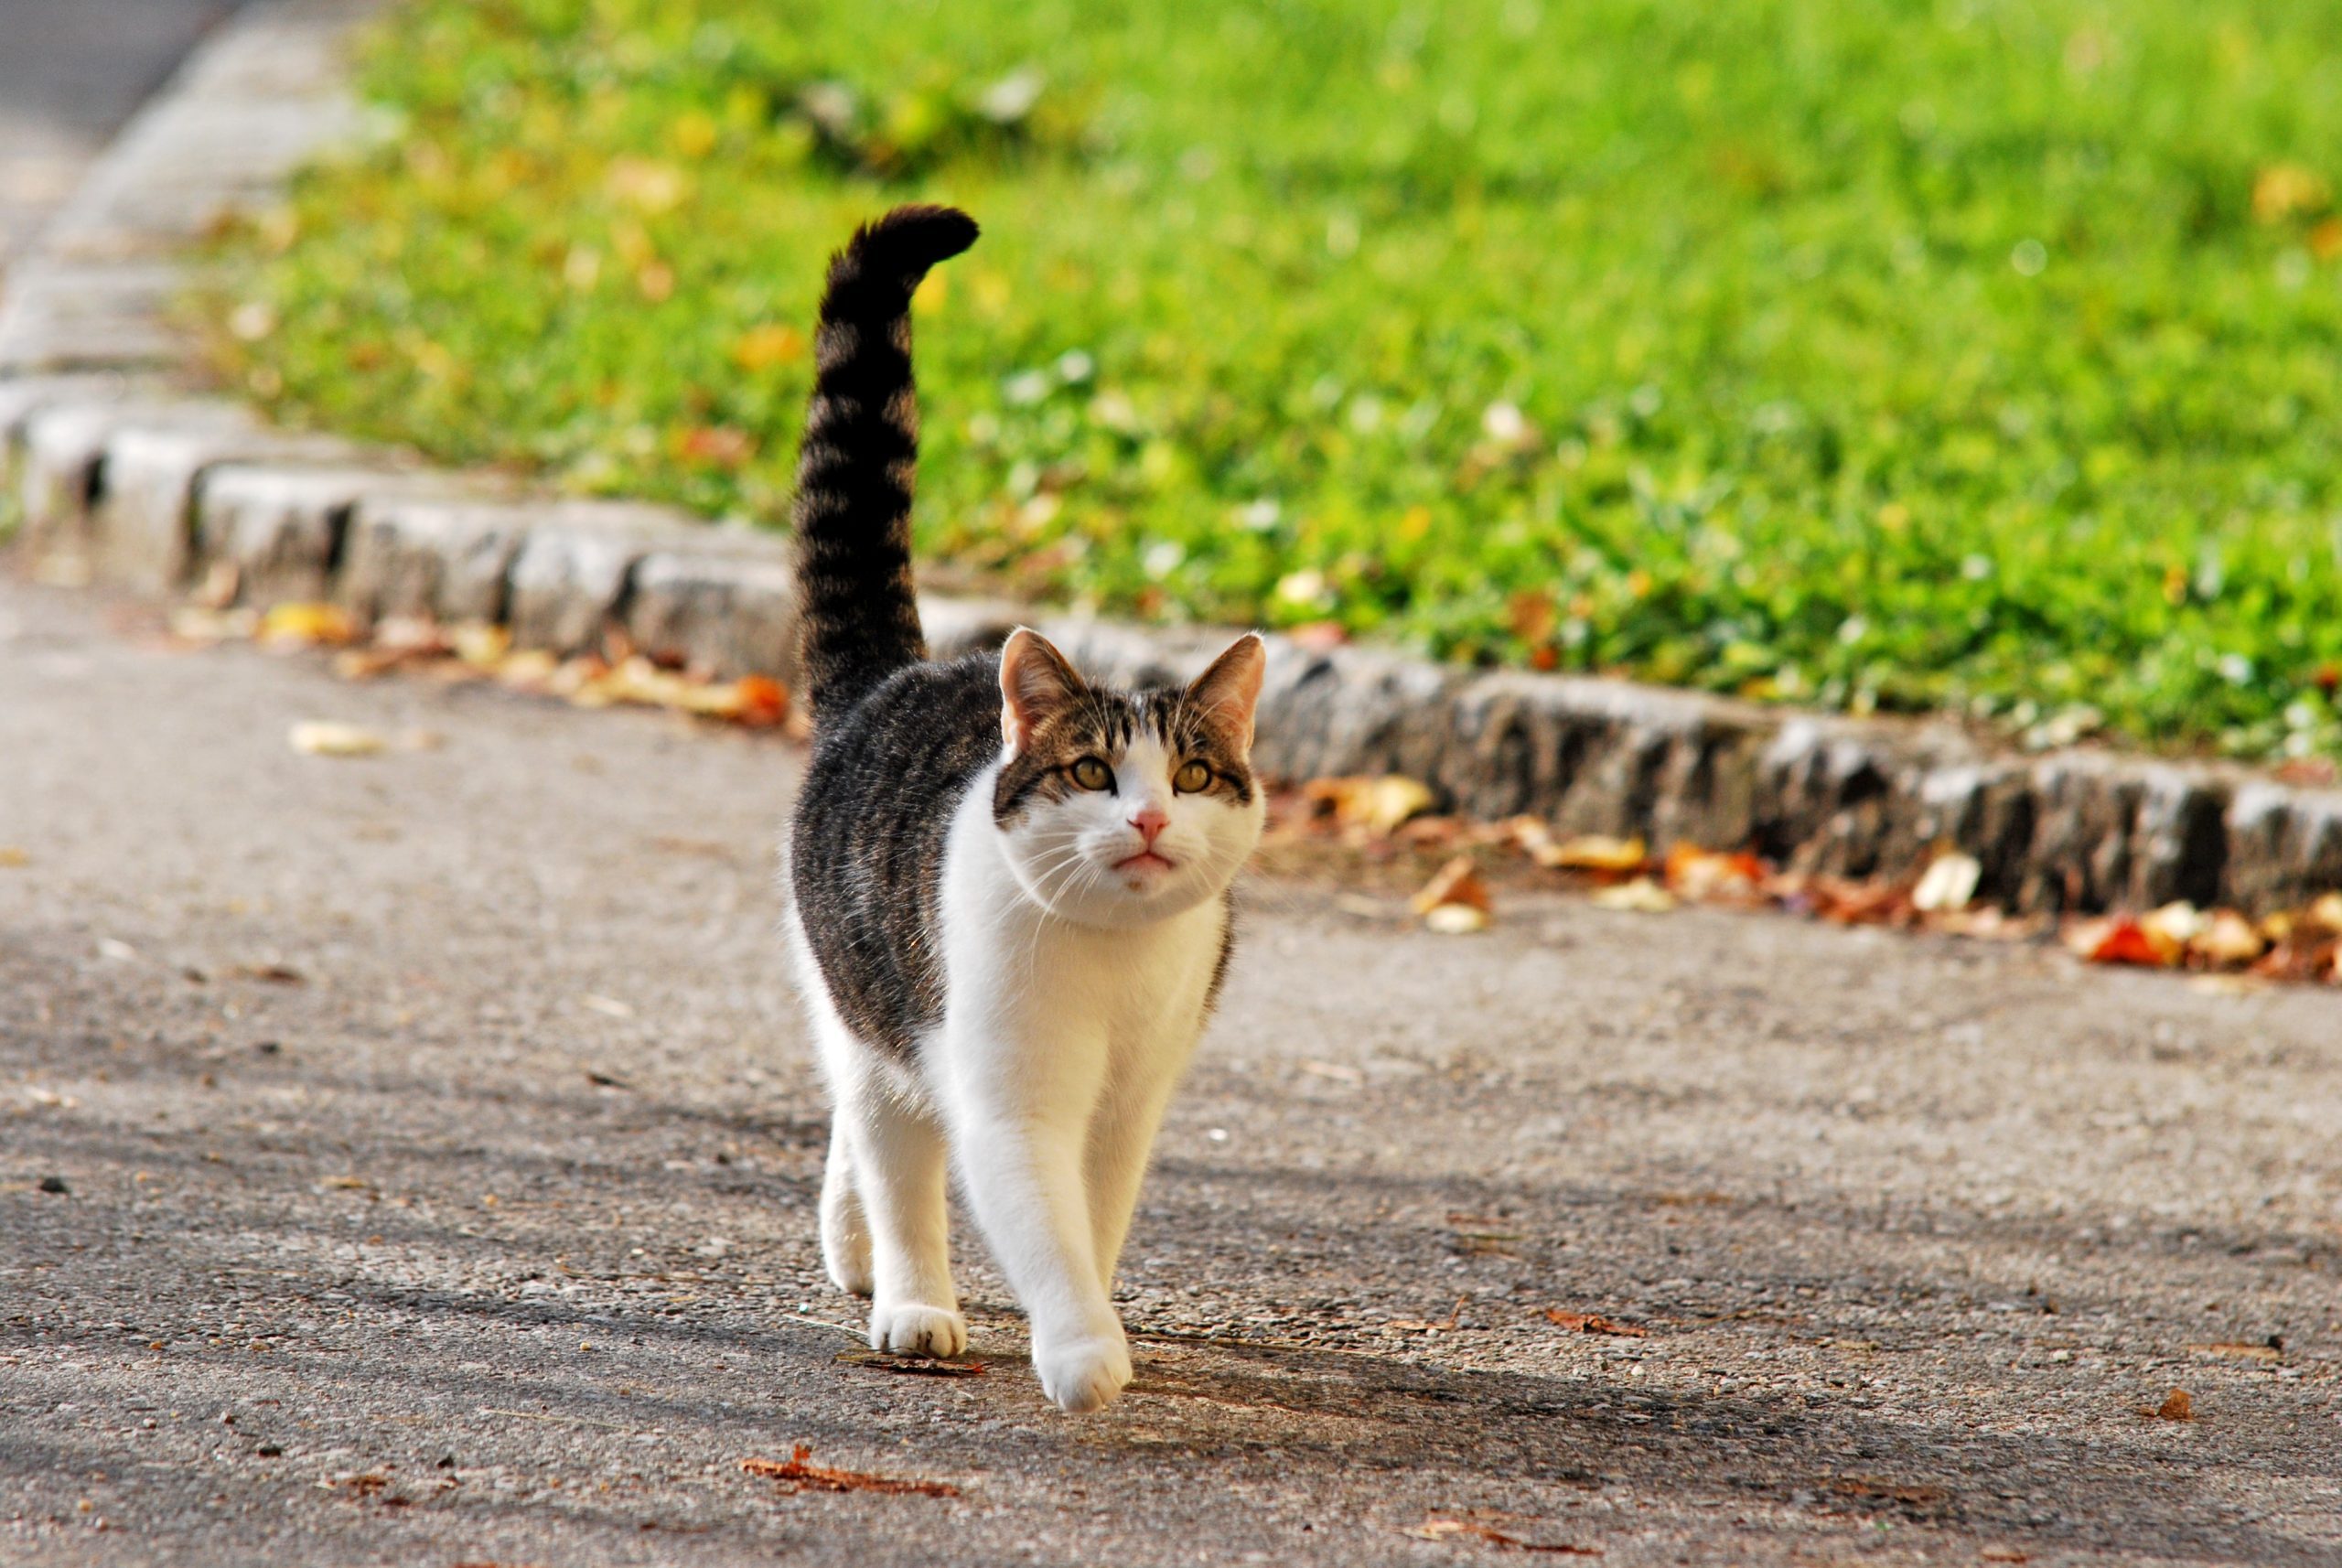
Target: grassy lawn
{"type": "Point", "coordinates": [1982, 353]}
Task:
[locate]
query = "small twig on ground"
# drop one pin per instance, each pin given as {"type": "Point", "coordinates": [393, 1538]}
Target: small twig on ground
{"type": "Point", "coordinates": [1594, 1323]}
{"type": "Point", "coordinates": [1437, 1528]}
{"type": "Point", "coordinates": [796, 1476]}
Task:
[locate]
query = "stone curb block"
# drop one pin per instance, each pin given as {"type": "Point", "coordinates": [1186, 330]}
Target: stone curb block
{"type": "Point", "coordinates": [726, 603]}
{"type": "Point", "coordinates": [60, 462]}
{"type": "Point", "coordinates": [150, 481]}
{"type": "Point", "coordinates": [430, 557]}
{"type": "Point", "coordinates": [282, 529]}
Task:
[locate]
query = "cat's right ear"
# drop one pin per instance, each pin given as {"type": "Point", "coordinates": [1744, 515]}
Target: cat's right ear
{"type": "Point", "coordinates": [1035, 681]}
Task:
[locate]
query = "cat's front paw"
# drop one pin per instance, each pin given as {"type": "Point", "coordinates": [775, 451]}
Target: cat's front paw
{"type": "Point", "coordinates": [908, 1328]}
{"type": "Point", "coordinates": [1083, 1374]}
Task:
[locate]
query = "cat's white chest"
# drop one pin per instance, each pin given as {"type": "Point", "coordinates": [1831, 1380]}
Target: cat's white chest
{"type": "Point", "coordinates": [1140, 984]}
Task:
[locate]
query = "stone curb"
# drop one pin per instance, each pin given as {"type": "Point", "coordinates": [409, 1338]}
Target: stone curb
{"type": "Point", "coordinates": [116, 476]}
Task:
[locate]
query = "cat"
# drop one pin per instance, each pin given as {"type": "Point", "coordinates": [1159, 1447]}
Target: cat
{"type": "Point", "coordinates": [1008, 887]}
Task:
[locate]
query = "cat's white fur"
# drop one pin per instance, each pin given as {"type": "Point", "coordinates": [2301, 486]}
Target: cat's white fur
{"type": "Point", "coordinates": [1075, 994]}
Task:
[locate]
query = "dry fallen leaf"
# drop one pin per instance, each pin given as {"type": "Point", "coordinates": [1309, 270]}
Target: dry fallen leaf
{"type": "Point", "coordinates": [2117, 939]}
{"type": "Point", "coordinates": [306, 625]}
{"type": "Point", "coordinates": [1846, 902]}
{"type": "Point", "coordinates": [1596, 853]}
{"type": "Point", "coordinates": [1377, 805]}
{"type": "Point", "coordinates": [325, 737]}
{"type": "Point", "coordinates": [2228, 938]}
{"type": "Point", "coordinates": [796, 1476]}
{"type": "Point", "coordinates": [1456, 920]}
{"type": "Point", "coordinates": [1642, 895]}
{"type": "Point", "coordinates": [1457, 882]}
{"type": "Point", "coordinates": [1594, 1323]}
{"type": "Point", "coordinates": [2175, 1406]}
{"type": "Point", "coordinates": [1948, 884]}
{"type": "Point", "coordinates": [753, 700]}
{"type": "Point", "coordinates": [1698, 874]}
{"type": "Point", "coordinates": [2175, 925]}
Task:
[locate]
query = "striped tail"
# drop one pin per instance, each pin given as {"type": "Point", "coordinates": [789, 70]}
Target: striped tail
{"type": "Point", "coordinates": [854, 473]}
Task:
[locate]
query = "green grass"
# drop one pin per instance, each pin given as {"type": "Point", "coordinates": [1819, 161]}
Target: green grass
{"type": "Point", "coordinates": [1985, 353]}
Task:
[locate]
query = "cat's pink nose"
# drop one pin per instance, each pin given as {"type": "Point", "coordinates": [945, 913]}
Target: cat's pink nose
{"type": "Point", "coordinates": [1151, 820]}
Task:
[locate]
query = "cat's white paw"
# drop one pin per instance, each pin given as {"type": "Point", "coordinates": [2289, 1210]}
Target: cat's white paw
{"type": "Point", "coordinates": [1084, 1374]}
{"type": "Point", "coordinates": [910, 1329]}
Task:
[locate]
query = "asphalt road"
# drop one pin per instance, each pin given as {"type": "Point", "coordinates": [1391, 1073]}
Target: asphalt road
{"type": "Point", "coordinates": [440, 1150]}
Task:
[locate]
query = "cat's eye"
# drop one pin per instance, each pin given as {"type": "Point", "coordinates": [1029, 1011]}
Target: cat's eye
{"type": "Point", "coordinates": [1193, 779]}
{"type": "Point", "coordinates": [1093, 774]}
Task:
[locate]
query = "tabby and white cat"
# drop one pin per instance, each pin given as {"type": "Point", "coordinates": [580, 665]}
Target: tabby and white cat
{"type": "Point", "coordinates": [1008, 887]}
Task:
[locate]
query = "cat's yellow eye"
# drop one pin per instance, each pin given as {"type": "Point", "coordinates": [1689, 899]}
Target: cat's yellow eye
{"type": "Point", "coordinates": [1192, 779]}
{"type": "Point", "coordinates": [1093, 774]}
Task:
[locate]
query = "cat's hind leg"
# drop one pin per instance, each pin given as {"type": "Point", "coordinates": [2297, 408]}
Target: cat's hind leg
{"type": "Point", "coordinates": [896, 1152]}
{"type": "Point", "coordinates": [845, 1229]}
{"type": "Point", "coordinates": [884, 1233]}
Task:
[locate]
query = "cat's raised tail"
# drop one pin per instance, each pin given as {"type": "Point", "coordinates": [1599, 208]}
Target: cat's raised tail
{"type": "Point", "coordinates": [854, 473]}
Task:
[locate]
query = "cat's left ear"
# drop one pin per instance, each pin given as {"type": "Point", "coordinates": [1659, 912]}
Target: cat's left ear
{"type": "Point", "coordinates": [1230, 688]}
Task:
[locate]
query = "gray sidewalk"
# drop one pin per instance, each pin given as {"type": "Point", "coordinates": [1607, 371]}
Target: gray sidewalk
{"type": "Point", "coordinates": [70, 73]}
{"type": "Point", "coordinates": [440, 1148]}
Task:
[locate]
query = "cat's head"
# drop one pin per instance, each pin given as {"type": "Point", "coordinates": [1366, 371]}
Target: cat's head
{"type": "Point", "coordinates": [1116, 807]}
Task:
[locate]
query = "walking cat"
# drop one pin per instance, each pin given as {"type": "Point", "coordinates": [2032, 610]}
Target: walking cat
{"type": "Point", "coordinates": [1008, 886]}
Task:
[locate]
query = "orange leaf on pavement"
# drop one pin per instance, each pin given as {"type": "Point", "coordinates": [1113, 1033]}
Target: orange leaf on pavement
{"type": "Point", "coordinates": [2120, 939]}
{"type": "Point", "coordinates": [1457, 882]}
{"type": "Point", "coordinates": [1697, 873]}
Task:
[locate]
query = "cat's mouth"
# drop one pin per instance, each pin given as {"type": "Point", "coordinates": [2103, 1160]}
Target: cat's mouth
{"type": "Point", "coordinates": [1144, 861]}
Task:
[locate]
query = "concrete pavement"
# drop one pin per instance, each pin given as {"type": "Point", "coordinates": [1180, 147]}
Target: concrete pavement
{"type": "Point", "coordinates": [438, 1149]}
{"type": "Point", "coordinates": [71, 73]}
